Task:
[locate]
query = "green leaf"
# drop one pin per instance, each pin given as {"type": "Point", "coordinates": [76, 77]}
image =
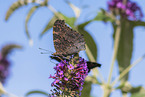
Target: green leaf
{"type": "Point", "coordinates": [126, 44]}
{"type": "Point", "coordinates": [125, 87]}
{"type": "Point", "coordinates": [137, 89]}
{"type": "Point", "coordinates": [138, 92]}
{"type": "Point", "coordinates": [92, 47]}
{"type": "Point", "coordinates": [37, 92]}
{"type": "Point", "coordinates": [138, 95]}
{"type": "Point", "coordinates": [101, 16]}
{"type": "Point", "coordinates": [138, 23]}
{"type": "Point", "coordinates": [16, 5]}
{"type": "Point", "coordinates": [125, 47]}
{"type": "Point", "coordinates": [28, 17]}
{"type": "Point", "coordinates": [8, 48]}
{"type": "Point", "coordinates": [49, 25]}
{"type": "Point", "coordinates": [69, 20]}
{"type": "Point", "coordinates": [44, 3]}
{"type": "Point", "coordinates": [86, 89]}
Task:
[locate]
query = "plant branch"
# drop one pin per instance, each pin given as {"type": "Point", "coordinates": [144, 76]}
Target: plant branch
{"type": "Point", "coordinates": [116, 44]}
{"type": "Point", "coordinates": [90, 55]}
{"type": "Point", "coordinates": [52, 9]}
{"type": "Point", "coordinates": [75, 9]}
{"type": "Point", "coordinates": [111, 16]}
{"type": "Point", "coordinates": [127, 70]}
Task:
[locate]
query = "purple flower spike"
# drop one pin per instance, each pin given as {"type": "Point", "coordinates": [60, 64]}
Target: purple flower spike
{"type": "Point", "coordinates": [66, 79]}
{"type": "Point", "coordinates": [4, 69]}
{"type": "Point", "coordinates": [127, 10]}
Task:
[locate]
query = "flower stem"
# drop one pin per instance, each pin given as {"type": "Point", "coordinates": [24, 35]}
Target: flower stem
{"type": "Point", "coordinates": [10, 95]}
{"type": "Point", "coordinates": [75, 9]}
{"type": "Point", "coordinates": [55, 12]}
{"type": "Point", "coordinates": [127, 70]}
{"type": "Point", "coordinates": [116, 44]}
{"type": "Point", "coordinates": [52, 9]}
{"type": "Point", "coordinates": [2, 91]}
{"type": "Point", "coordinates": [106, 90]}
{"type": "Point", "coordinates": [95, 72]}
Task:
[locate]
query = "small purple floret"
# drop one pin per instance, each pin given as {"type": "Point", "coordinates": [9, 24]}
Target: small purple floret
{"type": "Point", "coordinates": [70, 67]}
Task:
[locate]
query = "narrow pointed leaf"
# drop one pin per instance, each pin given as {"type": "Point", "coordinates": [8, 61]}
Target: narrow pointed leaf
{"type": "Point", "coordinates": [138, 23]}
{"type": "Point", "coordinates": [28, 17]}
{"type": "Point", "coordinates": [69, 20]}
{"type": "Point", "coordinates": [20, 3]}
{"type": "Point", "coordinates": [8, 48]}
{"type": "Point", "coordinates": [138, 95]}
{"type": "Point", "coordinates": [101, 16]}
{"type": "Point", "coordinates": [89, 41]}
{"type": "Point", "coordinates": [127, 88]}
{"type": "Point", "coordinates": [44, 3]}
{"type": "Point", "coordinates": [37, 92]}
{"type": "Point", "coordinates": [86, 89]}
{"type": "Point", "coordinates": [89, 80]}
{"type": "Point", "coordinates": [49, 25]}
{"type": "Point", "coordinates": [126, 43]}
{"type": "Point", "coordinates": [125, 47]}
{"type": "Point", "coordinates": [138, 92]}
{"type": "Point", "coordinates": [16, 5]}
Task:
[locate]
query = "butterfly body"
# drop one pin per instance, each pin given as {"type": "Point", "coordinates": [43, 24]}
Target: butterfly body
{"type": "Point", "coordinates": [66, 41]}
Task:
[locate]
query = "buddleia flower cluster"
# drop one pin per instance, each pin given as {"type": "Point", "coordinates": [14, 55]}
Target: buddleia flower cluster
{"type": "Point", "coordinates": [4, 63]}
{"type": "Point", "coordinates": [4, 69]}
{"type": "Point", "coordinates": [69, 77]}
{"type": "Point", "coordinates": [127, 9]}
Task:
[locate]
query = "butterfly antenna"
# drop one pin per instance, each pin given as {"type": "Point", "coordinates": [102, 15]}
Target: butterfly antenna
{"type": "Point", "coordinates": [44, 53]}
{"type": "Point", "coordinates": [43, 49]}
{"type": "Point", "coordinates": [48, 52]}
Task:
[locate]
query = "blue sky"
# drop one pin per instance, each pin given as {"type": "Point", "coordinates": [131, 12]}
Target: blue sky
{"type": "Point", "coordinates": [30, 69]}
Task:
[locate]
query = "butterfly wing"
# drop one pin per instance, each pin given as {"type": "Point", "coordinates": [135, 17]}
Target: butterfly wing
{"type": "Point", "coordinates": [92, 65]}
{"type": "Point", "coordinates": [66, 40]}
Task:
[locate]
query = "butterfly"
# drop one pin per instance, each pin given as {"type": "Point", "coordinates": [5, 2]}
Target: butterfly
{"type": "Point", "coordinates": [90, 65]}
{"type": "Point", "coordinates": [66, 40]}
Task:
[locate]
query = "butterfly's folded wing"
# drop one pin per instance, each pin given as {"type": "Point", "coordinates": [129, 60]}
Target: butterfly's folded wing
{"type": "Point", "coordinates": [92, 65]}
{"type": "Point", "coordinates": [66, 40]}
